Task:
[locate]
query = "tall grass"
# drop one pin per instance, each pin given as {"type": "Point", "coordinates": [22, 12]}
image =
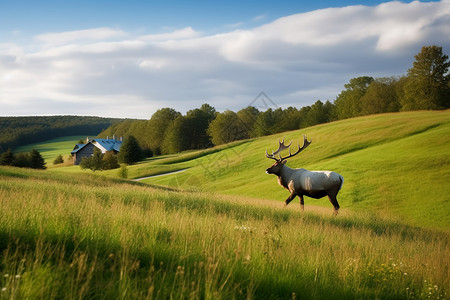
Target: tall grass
{"type": "Point", "coordinates": [85, 236]}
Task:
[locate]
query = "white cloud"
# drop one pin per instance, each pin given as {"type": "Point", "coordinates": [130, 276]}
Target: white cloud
{"type": "Point", "coordinates": [259, 18]}
{"type": "Point", "coordinates": [296, 60]}
{"type": "Point", "coordinates": [184, 33]}
{"type": "Point", "coordinates": [235, 25]}
{"type": "Point", "coordinates": [95, 34]}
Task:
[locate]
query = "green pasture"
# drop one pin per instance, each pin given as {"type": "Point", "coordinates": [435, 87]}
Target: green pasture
{"type": "Point", "coordinates": [52, 148]}
{"type": "Point", "coordinates": [397, 164]}
{"type": "Point", "coordinates": [87, 236]}
{"type": "Point", "coordinates": [219, 229]}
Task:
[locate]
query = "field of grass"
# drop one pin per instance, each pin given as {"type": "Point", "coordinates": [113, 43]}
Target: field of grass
{"type": "Point", "coordinates": [87, 236]}
{"type": "Point", "coordinates": [397, 164]}
{"type": "Point", "coordinates": [52, 148]}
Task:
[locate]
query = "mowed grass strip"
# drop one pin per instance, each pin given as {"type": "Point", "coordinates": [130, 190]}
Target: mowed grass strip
{"type": "Point", "coordinates": [87, 236]}
{"type": "Point", "coordinates": [51, 148]}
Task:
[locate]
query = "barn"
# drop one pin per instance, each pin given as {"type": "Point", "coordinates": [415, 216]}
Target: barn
{"type": "Point", "coordinates": [87, 150]}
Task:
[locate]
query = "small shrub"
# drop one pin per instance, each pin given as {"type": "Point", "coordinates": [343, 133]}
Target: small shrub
{"type": "Point", "coordinates": [58, 160]}
{"type": "Point", "coordinates": [110, 161]}
{"type": "Point", "coordinates": [123, 171]}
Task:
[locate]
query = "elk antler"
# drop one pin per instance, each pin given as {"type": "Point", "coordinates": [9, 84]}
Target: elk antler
{"type": "Point", "coordinates": [282, 147]}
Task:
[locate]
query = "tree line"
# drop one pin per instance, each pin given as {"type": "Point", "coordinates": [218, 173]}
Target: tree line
{"type": "Point", "coordinates": [425, 87]}
{"type": "Point", "coordinates": [32, 159]}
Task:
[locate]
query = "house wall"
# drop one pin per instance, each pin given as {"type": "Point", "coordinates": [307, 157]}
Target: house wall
{"type": "Point", "coordinates": [86, 151]}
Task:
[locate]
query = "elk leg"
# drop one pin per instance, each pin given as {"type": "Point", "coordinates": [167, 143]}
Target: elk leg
{"type": "Point", "coordinates": [333, 201]}
{"type": "Point", "coordinates": [302, 203]}
{"type": "Point", "coordinates": [291, 196]}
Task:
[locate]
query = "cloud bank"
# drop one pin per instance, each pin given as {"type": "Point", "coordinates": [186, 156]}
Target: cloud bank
{"type": "Point", "coordinates": [296, 60]}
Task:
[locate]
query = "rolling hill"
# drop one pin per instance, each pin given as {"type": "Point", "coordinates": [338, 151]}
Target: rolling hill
{"type": "Point", "coordinates": [52, 148]}
{"type": "Point", "coordinates": [20, 131]}
{"type": "Point", "coordinates": [397, 164]}
{"type": "Point", "coordinates": [83, 235]}
{"type": "Point", "coordinates": [219, 228]}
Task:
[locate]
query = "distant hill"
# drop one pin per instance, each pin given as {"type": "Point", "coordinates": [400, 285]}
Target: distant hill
{"type": "Point", "coordinates": [18, 131]}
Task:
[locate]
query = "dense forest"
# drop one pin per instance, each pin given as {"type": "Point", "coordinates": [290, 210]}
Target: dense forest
{"type": "Point", "coordinates": [426, 86]}
{"type": "Point", "coordinates": [17, 131]}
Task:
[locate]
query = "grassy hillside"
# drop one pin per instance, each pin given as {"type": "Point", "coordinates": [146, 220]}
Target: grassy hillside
{"type": "Point", "coordinates": [397, 164]}
{"type": "Point", "coordinates": [52, 148]}
{"type": "Point", "coordinates": [19, 131]}
{"type": "Point", "coordinates": [65, 236]}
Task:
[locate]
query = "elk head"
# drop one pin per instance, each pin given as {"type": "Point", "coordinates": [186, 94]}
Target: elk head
{"type": "Point", "coordinates": [280, 161]}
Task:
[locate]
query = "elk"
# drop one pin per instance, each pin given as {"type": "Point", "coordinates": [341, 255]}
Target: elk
{"type": "Point", "coordinates": [301, 182]}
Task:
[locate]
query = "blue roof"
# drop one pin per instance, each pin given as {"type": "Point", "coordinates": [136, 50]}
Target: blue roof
{"type": "Point", "coordinates": [109, 145]}
{"type": "Point", "coordinates": [77, 148]}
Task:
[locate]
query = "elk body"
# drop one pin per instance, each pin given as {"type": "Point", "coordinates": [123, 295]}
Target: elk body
{"type": "Point", "coordinates": [301, 182]}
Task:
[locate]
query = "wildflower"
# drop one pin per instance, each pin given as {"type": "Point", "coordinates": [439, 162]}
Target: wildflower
{"type": "Point", "coordinates": [18, 276]}
{"type": "Point", "coordinates": [405, 273]}
{"type": "Point", "coordinates": [4, 289]}
{"type": "Point", "coordinates": [6, 275]}
{"type": "Point", "coordinates": [245, 228]}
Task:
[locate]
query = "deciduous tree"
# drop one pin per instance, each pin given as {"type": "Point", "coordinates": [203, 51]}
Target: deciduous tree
{"type": "Point", "coordinates": [248, 117]}
{"type": "Point", "coordinates": [348, 103]}
{"type": "Point", "coordinates": [157, 126]}
{"type": "Point", "coordinates": [94, 162]}
{"type": "Point", "coordinates": [380, 97]}
{"type": "Point", "coordinates": [427, 83]}
{"type": "Point", "coordinates": [175, 139]}
{"type": "Point", "coordinates": [110, 161]}
{"type": "Point", "coordinates": [22, 160]}
{"type": "Point", "coordinates": [225, 128]}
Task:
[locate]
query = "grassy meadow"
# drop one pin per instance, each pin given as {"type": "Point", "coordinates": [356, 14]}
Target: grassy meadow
{"type": "Point", "coordinates": [89, 236]}
{"type": "Point", "coordinates": [52, 148]}
{"type": "Point", "coordinates": [398, 164]}
{"type": "Point", "coordinates": [219, 229]}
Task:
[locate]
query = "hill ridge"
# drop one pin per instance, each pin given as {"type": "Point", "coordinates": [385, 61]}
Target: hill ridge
{"type": "Point", "coordinates": [420, 131]}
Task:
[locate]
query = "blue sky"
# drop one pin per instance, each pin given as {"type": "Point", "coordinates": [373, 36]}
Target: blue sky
{"type": "Point", "coordinates": [32, 17]}
{"type": "Point", "coordinates": [130, 58]}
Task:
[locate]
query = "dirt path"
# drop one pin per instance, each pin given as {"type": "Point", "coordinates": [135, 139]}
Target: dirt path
{"type": "Point", "coordinates": [163, 174]}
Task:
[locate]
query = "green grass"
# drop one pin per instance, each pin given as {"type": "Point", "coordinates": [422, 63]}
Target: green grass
{"type": "Point", "coordinates": [65, 236]}
{"type": "Point", "coordinates": [398, 164]}
{"type": "Point", "coordinates": [219, 229]}
{"type": "Point", "coordinates": [52, 148]}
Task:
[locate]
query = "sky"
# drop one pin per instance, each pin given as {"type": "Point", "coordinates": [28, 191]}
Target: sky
{"type": "Point", "coordinates": [127, 59]}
